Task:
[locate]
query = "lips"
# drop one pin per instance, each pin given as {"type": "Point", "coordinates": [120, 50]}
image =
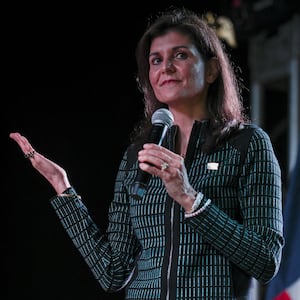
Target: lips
{"type": "Point", "coordinates": [169, 81]}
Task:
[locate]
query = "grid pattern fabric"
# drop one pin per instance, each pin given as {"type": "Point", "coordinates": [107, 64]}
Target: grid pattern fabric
{"type": "Point", "coordinates": [154, 252]}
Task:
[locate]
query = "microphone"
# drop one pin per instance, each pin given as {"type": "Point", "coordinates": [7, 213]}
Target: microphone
{"type": "Point", "coordinates": [162, 119]}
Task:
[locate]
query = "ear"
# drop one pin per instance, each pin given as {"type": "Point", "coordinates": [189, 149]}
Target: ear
{"type": "Point", "coordinates": [212, 70]}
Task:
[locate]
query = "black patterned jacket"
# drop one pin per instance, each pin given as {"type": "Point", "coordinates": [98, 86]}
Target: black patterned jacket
{"type": "Point", "coordinates": [154, 252]}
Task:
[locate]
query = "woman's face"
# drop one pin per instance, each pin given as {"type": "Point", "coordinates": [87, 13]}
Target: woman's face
{"type": "Point", "coordinates": [177, 70]}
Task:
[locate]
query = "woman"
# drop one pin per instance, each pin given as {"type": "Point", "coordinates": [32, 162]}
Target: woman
{"type": "Point", "coordinates": [211, 217]}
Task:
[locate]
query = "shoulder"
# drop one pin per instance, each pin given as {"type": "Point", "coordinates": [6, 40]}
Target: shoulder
{"type": "Point", "coordinates": [248, 132]}
{"type": "Point", "coordinates": [250, 137]}
{"type": "Point", "coordinates": [241, 136]}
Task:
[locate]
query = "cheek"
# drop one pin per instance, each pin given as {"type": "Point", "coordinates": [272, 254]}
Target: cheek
{"type": "Point", "coordinates": [153, 77]}
{"type": "Point", "coordinates": [198, 73]}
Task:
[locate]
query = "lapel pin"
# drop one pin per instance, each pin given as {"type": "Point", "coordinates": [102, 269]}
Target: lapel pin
{"type": "Point", "coordinates": [212, 166]}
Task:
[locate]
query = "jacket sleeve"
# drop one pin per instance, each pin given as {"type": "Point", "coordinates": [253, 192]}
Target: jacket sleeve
{"type": "Point", "coordinates": [110, 255]}
{"type": "Point", "coordinates": [255, 245]}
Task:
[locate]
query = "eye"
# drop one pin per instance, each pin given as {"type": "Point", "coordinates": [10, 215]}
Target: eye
{"type": "Point", "coordinates": [155, 60]}
{"type": "Point", "coordinates": [181, 55]}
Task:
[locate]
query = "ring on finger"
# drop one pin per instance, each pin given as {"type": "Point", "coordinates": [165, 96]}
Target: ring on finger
{"type": "Point", "coordinates": [29, 154]}
{"type": "Point", "coordinates": [164, 166]}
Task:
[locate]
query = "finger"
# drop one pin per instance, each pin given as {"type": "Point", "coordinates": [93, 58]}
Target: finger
{"type": "Point", "coordinates": [22, 142]}
{"type": "Point", "coordinates": [160, 149]}
{"type": "Point", "coordinates": [150, 159]}
{"type": "Point", "coordinates": [157, 148]}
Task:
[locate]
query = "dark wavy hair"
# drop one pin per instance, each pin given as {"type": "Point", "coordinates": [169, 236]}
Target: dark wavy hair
{"type": "Point", "coordinates": [224, 103]}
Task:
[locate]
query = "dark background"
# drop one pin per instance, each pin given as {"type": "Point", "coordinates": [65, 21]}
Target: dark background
{"type": "Point", "coordinates": [70, 88]}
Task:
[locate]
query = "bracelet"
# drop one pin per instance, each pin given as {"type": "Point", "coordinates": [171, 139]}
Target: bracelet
{"type": "Point", "coordinates": [196, 203]}
{"type": "Point", "coordinates": [199, 211]}
{"type": "Point", "coordinates": [68, 195]}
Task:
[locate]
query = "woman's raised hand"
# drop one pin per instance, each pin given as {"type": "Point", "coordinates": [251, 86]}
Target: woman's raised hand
{"type": "Point", "coordinates": [52, 172]}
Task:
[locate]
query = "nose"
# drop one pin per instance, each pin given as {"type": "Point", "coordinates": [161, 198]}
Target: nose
{"type": "Point", "coordinates": [168, 66]}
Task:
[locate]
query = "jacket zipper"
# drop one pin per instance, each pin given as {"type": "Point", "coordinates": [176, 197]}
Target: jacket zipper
{"type": "Point", "coordinates": [171, 252]}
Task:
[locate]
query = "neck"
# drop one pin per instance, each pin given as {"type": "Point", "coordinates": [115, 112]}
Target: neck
{"type": "Point", "coordinates": [184, 118]}
{"type": "Point", "coordinates": [185, 125]}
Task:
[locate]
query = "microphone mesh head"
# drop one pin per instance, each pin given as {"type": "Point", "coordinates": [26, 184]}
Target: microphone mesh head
{"type": "Point", "coordinates": [162, 116]}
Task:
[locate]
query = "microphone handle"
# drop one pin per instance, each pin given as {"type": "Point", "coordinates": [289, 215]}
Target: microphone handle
{"type": "Point", "coordinates": [139, 187]}
{"type": "Point", "coordinates": [157, 133]}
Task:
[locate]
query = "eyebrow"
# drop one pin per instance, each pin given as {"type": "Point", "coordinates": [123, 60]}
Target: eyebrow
{"type": "Point", "coordinates": [174, 48]}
